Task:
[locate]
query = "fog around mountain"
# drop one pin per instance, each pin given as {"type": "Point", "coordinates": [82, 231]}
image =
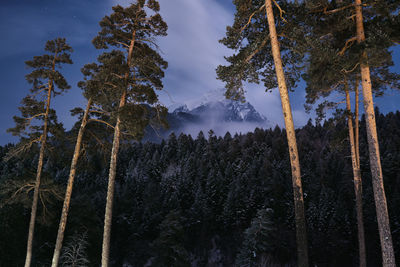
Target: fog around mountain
{"type": "Point", "coordinates": [211, 112]}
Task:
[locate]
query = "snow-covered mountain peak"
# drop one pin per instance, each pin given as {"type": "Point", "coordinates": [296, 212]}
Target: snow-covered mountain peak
{"type": "Point", "coordinates": [178, 108]}
{"type": "Point", "coordinates": [217, 113]}
{"type": "Point", "coordinates": [215, 106]}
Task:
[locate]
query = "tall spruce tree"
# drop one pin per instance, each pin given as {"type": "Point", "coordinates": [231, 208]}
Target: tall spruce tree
{"type": "Point", "coordinates": [131, 74]}
{"type": "Point", "coordinates": [38, 119]}
{"type": "Point", "coordinates": [254, 35]}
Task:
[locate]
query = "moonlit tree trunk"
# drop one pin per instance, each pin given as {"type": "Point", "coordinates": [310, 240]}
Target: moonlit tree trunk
{"type": "Point", "coordinates": [373, 147]}
{"type": "Point", "coordinates": [357, 182]}
{"type": "Point", "coordinates": [29, 245]}
{"type": "Point", "coordinates": [301, 233]}
{"type": "Point", "coordinates": [356, 123]}
{"type": "Point", "coordinates": [68, 192]}
{"type": "Point", "coordinates": [110, 190]}
{"type": "Point", "coordinates": [113, 169]}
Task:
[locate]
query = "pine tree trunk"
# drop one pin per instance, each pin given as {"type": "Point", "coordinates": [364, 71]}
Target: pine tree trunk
{"type": "Point", "coordinates": [110, 190]}
{"type": "Point", "coordinates": [113, 167]}
{"type": "Point", "coordinates": [356, 123]}
{"type": "Point", "coordinates": [357, 183]}
{"type": "Point", "coordinates": [68, 192]}
{"type": "Point", "coordinates": [373, 147]}
{"type": "Point", "coordinates": [29, 246]}
{"type": "Point", "coordinates": [301, 233]}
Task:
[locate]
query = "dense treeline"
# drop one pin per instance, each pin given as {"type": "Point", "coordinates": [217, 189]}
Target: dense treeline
{"type": "Point", "coordinates": [209, 201]}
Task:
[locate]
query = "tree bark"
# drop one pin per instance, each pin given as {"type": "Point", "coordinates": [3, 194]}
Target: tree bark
{"type": "Point", "coordinates": [388, 258]}
{"type": "Point", "coordinates": [357, 183]}
{"type": "Point", "coordinates": [301, 233]}
{"type": "Point", "coordinates": [29, 245]}
{"type": "Point", "coordinates": [110, 190]}
{"type": "Point", "coordinates": [113, 168]}
{"type": "Point", "coordinates": [68, 192]}
{"type": "Point", "coordinates": [356, 122]}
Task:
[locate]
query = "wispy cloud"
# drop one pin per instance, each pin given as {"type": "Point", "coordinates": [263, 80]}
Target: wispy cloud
{"type": "Point", "coordinates": [193, 53]}
{"type": "Point", "coordinates": [192, 48]}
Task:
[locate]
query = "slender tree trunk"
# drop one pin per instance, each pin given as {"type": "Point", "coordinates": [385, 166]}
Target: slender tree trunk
{"type": "Point", "coordinates": [110, 190]}
{"type": "Point", "coordinates": [301, 233]}
{"type": "Point", "coordinates": [356, 123]}
{"type": "Point", "coordinates": [68, 192]}
{"type": "Point", "coordinates": [29, 245]}
{"type": "Point", "coordinates": [113, 168]}
{"type": "Point", "coordinates": [373, 147]}
{"type": "Point", "coordinates": [37, 182]}
{"type": "Point", "coordinates": [357, 183]}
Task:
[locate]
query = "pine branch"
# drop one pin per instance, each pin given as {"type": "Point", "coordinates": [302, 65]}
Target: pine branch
{"type": "Point", "coordinates": [101, 121]}
{"type": "Point", "coordinates": [121, 43]}
{"type": "Point", "coordinates": [35, 116]}
{"type": "Point", "coordinates": [117, 75]}
{"type": "Point", "coordinates": [20, 149]}
{"type": "Point", "coordinates": [263, 43]}
{"type": "Point", "coordinates": [149, 41]}
{"type": "Point", "coordinates": [337, 9]}
{"type": "Point", "coordinates": [111, 84]}
{"type": "Point", "coordinates": [251, 16]}
{"type": "Point", "coordinates": [281, 11]}
{"type": "Point", "coordinates": [347, 45]}
{"type": "Point", "coordinates": [99, 112]}
{"type": "Point", "coordinates": [348, 71]}
{"type": "Point", "coordinates": [332, 11]}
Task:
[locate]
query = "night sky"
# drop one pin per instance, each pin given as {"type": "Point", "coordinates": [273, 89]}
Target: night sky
{"type": "Point", "coordinates": [191, 48]}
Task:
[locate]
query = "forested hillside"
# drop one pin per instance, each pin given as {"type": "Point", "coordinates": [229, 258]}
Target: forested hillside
{"type": "Point", "coordinates": [208, 201]}
{"type": "Point", "coordinates": [321, 195]}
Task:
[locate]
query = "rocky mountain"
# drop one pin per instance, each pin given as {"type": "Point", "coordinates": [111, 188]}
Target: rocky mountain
{"type": "Point", "coordinates": [221, 116]}
{"type": "Point", "coordinates": [228, 111]}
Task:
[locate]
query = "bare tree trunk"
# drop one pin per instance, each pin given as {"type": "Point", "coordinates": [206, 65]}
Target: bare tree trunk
{"type": "Point", "coordinates": [110, 190]}
{"type": "Point", "coordinates": [356, 123]}
{"type": "Point", "coordinates": [113, 168]}
{"type": "Point", "coordinates": [301, 233]}
{"type": "Point", "coordinates": [29, 246]}
{"type": "Point", "coordinates": [68, 192]}
{"type": "Point", "coordinates": [357, 183]}
{"type": "Point", "coordinates": [373, 147]}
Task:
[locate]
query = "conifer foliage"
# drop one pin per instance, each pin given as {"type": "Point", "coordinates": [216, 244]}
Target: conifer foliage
{"type": "Point", "coordinates": [257, 239]}
{"type": "Point", "coordinates": [261, 54]}
{"type": "Point", "coordinates": [38, 119]}
{"type": "Point", "coordinates": [350, 42]}
{"type": "Point", "coordinates": [131, 73]}
{"type": "Point", "coordinates": [216, 201]}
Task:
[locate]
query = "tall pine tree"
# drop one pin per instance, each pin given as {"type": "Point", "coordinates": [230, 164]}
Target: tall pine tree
{"type": "Point", "coordinates": [388, 259]}
{"type": "Point", "coordinates": [333, 47]}
{"type": "Point", "coordinates": [38, 119]}
{"type": "Point", "coordinates": [131, 74]}
{"type": "Point", "coordinates": [254, 34]}
{"type": "Point", "coordinates": [90, 83]}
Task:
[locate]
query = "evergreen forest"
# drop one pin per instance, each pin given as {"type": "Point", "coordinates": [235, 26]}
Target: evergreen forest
{"type": "Point", "coordinates": [104, 194]}
{"type": "Point", "coordinates": [209, 201]}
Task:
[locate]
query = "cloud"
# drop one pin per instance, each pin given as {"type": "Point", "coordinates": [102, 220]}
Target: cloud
{"type": "Point", "coordinates": [193, 52]}
{"type": "Point", "coordinates": [191, 47]}
{"type": "Point", "coordinates": [221, 128]}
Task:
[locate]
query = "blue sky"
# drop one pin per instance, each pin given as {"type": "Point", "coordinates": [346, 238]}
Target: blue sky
{"type": "Point", "coordinates": [191, 48]}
